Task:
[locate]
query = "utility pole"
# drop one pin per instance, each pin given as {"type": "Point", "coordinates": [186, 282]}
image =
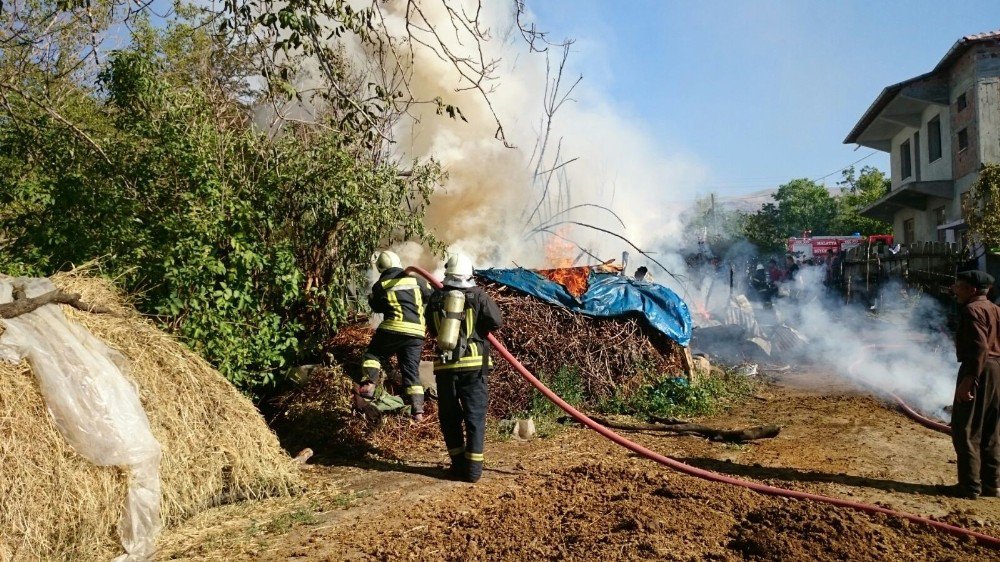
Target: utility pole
{"type": "Point", "coordinates": [715, 220]}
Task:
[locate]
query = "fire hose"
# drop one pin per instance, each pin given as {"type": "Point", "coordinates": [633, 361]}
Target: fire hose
{"type": "Point", "coordinates": [910, 412]}
{"type": "Point", "coordinates": [981, 538]}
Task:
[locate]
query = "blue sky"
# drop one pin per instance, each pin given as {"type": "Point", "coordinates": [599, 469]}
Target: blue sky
{"type": "Point", "coordinates": [759, 92]}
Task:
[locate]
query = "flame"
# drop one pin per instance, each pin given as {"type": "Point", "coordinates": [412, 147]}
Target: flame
{"type": "Point", "coordinates": [559, 254]}
{"type": "Point", "coordinates": [559, 250]}
{"type": "Point", "coordinates": [701, 309]}
{"type": "Point", "coordinates": [575, 279]}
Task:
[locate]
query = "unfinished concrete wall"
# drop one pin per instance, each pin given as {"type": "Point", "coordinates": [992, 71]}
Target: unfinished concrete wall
{"type": "Point", "coordinates": [965, 160]}
{"type": "Point", "coordinates": [987, 70]}
{"type": "Point", "coordinates": [940, 168]}
{"type": "Point", "coordinates": [896, 160]}
{"type": "Point", "coordinates": [988, 93]}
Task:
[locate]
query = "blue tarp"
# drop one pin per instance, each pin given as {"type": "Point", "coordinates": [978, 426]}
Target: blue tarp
{"type": "Point", "coordinates": [607, 295]}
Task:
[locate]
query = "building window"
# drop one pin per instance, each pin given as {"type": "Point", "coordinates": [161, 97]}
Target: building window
{"type": "Point", "coordinates": [905, 160]}
{"type": "Point", "coordinates": [939, 215]}
{"type": "Point", "coordinates": [908, 232]}
{"type": "Point", "coordinates": [963, 139]}
{"type": "Point", "coordinates": [962, 102]}
{"type": "Point", "coordinates": [934, 139]}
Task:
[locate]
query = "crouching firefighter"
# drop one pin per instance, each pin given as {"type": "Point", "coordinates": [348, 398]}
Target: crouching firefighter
{"type": "Point", "coordinates": [401, 300]}
{"type": "Point", "coordinates": [461, 316]}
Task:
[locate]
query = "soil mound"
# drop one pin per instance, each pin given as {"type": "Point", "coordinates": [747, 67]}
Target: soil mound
{"type": "Point", "coordinates": [216, 446]}
{"type": "Point", "coordinates": [603, 512]}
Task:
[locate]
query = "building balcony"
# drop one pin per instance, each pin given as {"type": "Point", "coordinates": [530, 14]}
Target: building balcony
{"type": "Point", "coordinates": [912, 195]}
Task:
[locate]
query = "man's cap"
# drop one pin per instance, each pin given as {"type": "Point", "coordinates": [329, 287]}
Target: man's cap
{"type": "Point", "coordinates": [975, 278]}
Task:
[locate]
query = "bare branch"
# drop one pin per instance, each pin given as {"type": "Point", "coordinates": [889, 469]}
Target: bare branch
{"type": "Point", "coordinates": [564, 211]}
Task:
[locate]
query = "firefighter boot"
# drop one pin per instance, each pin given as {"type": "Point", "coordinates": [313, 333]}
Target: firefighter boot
{"type": "Point", "coordinates": [474, 469]}
{"type": "Point", "coordinates": [415, 397]}
{"type": "Point", "coordinates": [458, 467]}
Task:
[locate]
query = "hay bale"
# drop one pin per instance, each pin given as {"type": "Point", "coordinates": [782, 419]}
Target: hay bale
{"type": "Point", "coordinates": [216, 446]}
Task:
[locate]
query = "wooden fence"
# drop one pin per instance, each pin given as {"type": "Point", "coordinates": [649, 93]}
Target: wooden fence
{"type": "Point", "coordinates": [929, 265]}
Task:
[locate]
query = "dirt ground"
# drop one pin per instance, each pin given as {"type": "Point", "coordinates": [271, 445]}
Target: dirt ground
{"type": "Point", "coordinates": [576, 496]}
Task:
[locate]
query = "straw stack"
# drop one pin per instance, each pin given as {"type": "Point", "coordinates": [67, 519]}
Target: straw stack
{"type": "Point", "coordinates": [54, 505]}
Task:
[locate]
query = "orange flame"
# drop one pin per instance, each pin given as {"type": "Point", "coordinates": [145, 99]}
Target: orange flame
{"type": "Point", "coordinates": [559, 254]}
{"type": "Point", "coordinates": [701, 308]}
{"type": "Point", "coordinates": [558, 250]}
{"type": "Point", "coordinates": [575, 279]}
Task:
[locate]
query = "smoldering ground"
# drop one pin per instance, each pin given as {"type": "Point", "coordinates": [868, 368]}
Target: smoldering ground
{"type": "Point", "coordinates": [895, 342]}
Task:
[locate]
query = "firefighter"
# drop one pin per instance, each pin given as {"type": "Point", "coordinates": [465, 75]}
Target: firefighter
{"type": "Point", "coordinates": [975, 418]}
{"type": "Point", "coordinates": [460, 316]}
{"type": "Point", "coordinates": [401, 300]}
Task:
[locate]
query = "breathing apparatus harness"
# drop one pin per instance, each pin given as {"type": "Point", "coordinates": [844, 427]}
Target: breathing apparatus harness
{"type": "Point", "coordinates": [450, 341]}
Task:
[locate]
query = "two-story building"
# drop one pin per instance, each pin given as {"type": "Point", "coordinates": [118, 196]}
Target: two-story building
{"type": "Point", "coordinates": [939, 128]}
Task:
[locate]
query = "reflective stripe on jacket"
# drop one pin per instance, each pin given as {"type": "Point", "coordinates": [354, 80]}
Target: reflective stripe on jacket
{"type": "Point", "coordinates": [400, 299]}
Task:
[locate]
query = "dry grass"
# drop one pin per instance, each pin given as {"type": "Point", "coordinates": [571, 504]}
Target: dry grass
{"type": "Point", "coordinates": [54, 505]}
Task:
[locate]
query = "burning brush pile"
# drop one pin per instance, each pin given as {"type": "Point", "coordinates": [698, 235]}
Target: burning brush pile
{"type": "Point", "coordinates": [605, 358]}
{"type": "Point", "coordinates": [612, 357]}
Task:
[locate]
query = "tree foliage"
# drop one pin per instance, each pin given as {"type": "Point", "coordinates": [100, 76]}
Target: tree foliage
{"type": "Point", "coordinates": [251, 245]}
{"type": "Point", "coordinates": [983, 208]}
{"type": "Point", "coordinates": [763, 228]}
{"type": "Point", "coordinates": [857, 191]}
{"type": "Point", "coordinates": [722, 226]}
{"type": "Point", "coordinates": [806, 206]}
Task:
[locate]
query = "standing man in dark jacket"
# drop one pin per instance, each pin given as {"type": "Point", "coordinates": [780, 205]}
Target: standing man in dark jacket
{"type": "Point", "coordinates": [462, 376]}
{"type": "Point", "coordinates": [401, 300]}
{"type": "Point", "coordinates": [975, 418]}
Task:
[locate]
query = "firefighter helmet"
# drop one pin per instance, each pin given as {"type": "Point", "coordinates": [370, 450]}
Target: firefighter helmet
{"type": "Point", "coordinates": [387, 260]}
{"type": "Point", "coordinates": [458, 265]}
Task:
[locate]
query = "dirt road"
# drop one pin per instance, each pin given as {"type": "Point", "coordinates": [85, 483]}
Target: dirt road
{"type": "Point", "coordinates": [575, 496]}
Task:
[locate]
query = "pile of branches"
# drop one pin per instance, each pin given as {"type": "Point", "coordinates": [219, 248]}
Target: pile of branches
{"type": "Point", "coordinates": [604, 358]}
{"type": "Point", "coordinates": [612, 357]}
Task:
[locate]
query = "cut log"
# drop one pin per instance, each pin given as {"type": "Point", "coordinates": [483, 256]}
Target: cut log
{"type": "Point", "coordinates": [23, 305]}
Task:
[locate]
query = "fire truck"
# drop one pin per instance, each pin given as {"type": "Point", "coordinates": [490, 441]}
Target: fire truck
{"type": "Point", "coordinates": [809, 246]}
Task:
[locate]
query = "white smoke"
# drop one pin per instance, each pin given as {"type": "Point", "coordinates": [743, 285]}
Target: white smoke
{"type": "Point", "coordinates": [901, 350]}
{"type": "Point", "coordinates": [895, 344]}
{"type": "Point", "coordinates": [491, 190]}
{"type": "Point", "coordinates": [482, 209]}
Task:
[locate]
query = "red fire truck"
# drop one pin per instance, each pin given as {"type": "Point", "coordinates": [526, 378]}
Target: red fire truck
{"type": "Point", "coordinates": [817, 246]}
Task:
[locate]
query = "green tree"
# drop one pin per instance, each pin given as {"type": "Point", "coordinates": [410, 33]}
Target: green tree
{"type": "Point", "coordinates": [857, 191]}
{"type": "Point", "coordinates": [247, 244]}
{"type": "Point", "coordinates": [983, 208]}
{"type": "Point", "coordinates": [724, 226]}
{"type": "Point", "coordinates": [763, 228]}
{"type": "Point", "coordinates": [805, 205]}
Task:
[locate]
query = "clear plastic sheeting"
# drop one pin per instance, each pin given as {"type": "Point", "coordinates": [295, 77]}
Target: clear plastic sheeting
{"type": "Point", "coordinates": [94, 406]}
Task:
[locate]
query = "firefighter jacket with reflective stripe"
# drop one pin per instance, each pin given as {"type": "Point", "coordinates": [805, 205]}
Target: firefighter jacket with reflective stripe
{"type": "Point", "coordinates": [482, 316]}
{"type": "Point", "coordinates": [400, 299]}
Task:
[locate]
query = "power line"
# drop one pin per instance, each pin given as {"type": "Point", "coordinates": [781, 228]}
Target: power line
{"type": "Point", "coordinates": [873, 153]}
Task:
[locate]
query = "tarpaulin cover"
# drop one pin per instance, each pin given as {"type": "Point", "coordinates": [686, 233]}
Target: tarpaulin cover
{"type": "Point", "coordinates": [92, 403]}
{"type": "Point", "coordinates": [608, 295]}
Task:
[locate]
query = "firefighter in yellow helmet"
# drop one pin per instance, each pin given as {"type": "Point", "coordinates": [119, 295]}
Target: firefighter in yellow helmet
{"type": "Point", "coordinates": [401, 300]}
{"type": "Point", "coordinates": [461, 316]}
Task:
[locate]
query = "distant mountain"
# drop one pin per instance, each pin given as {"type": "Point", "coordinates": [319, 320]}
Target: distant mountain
{"type": "Point", "coordinates": [752, 202]}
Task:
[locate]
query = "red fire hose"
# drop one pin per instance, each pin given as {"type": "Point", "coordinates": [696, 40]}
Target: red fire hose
{"type": "Point", "coordinates": [910, 412]}
{"type": "Point", "coordinates": [983, 539]}
{"type": "Point", "coordinates": [917, 417]}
